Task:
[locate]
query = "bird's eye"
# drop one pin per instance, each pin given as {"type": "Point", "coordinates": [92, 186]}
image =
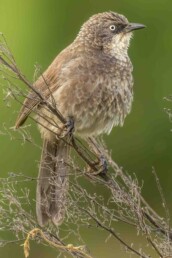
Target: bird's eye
{"type": "Point", "coordinates": [112, 27]}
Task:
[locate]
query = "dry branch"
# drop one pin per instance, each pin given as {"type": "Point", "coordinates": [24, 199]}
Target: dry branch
{"type": "Point", "coordinates": [126, 204]}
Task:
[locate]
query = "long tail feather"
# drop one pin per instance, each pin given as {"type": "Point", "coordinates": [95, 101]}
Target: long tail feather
{"type": "Point", "coordinates": [52, 183]}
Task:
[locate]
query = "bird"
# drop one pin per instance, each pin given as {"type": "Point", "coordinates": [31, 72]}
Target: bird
{"type": "Point", "coordinates": [90, 83]}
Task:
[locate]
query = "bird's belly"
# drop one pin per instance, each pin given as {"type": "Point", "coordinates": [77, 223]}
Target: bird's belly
{"type": "Point", "coordinates": [102, 114]}
{"type": "Point", "coordinates": [92, 116]}
{"type": "Point", "coordinates": [102, 120]}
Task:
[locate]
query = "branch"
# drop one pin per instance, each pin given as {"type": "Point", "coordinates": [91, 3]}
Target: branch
{"type": "Point", "coordinates": [125, 204]}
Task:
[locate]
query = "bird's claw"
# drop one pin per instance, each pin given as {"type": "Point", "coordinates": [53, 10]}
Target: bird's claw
{"type": "Point", "coordinates": [102, 166]}
{"type": "Point", "coordinates": [68, 128]}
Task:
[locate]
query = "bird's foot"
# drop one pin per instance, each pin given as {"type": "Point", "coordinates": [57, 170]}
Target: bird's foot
{"type": "Point", "coordinates": [102, 166]}
{"type": "Point", "coordinates": [68, 128]}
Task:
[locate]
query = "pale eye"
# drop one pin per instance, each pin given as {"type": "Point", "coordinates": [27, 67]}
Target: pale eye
{"type": "Point", "coordinates": [112, 27]}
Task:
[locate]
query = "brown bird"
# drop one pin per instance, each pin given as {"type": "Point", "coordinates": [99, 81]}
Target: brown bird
{"type": "Point", "coordinates": [91, 84]}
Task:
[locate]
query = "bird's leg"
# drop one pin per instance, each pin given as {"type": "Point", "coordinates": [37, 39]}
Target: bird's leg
{"type": "Point", "coordinates": [68, 128]}
{"type": "Point", "coordinates": [101, 162]}
{"type": "Point", "coordinates": [103, 165]}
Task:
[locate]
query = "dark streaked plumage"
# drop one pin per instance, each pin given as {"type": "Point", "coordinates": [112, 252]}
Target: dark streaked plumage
{"type": "Point", "coordinates": [91, 82]}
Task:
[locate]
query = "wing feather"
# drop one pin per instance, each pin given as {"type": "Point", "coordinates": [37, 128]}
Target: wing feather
{"type": "Point", "coordinates": [45, 85]}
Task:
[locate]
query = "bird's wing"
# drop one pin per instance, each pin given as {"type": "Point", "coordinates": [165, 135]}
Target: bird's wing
{"type": "Point", "coordinates": [45, 85]}
{"type": "Point", "coordinates": [28, 105]}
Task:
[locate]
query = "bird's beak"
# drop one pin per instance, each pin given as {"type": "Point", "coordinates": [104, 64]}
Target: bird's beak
{"type": "Point", "coordinates": [134, 26]}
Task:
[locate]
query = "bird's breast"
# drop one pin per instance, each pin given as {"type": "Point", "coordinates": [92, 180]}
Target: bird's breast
{"type": "Point", "coordinates": [97, 99]}
{"type": "Point", "coordinates": [107, 106]}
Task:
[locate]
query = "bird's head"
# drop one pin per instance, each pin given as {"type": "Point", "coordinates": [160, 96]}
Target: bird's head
{"type": "Point", "coordinates": [108, 31]}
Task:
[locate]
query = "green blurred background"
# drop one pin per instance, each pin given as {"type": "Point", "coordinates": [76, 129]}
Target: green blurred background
{"type": "Point", "coordinates": [36, 31]}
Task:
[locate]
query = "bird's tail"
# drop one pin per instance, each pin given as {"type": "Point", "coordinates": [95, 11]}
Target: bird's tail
{"type": "Point", "coordinates": [52, 185]}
